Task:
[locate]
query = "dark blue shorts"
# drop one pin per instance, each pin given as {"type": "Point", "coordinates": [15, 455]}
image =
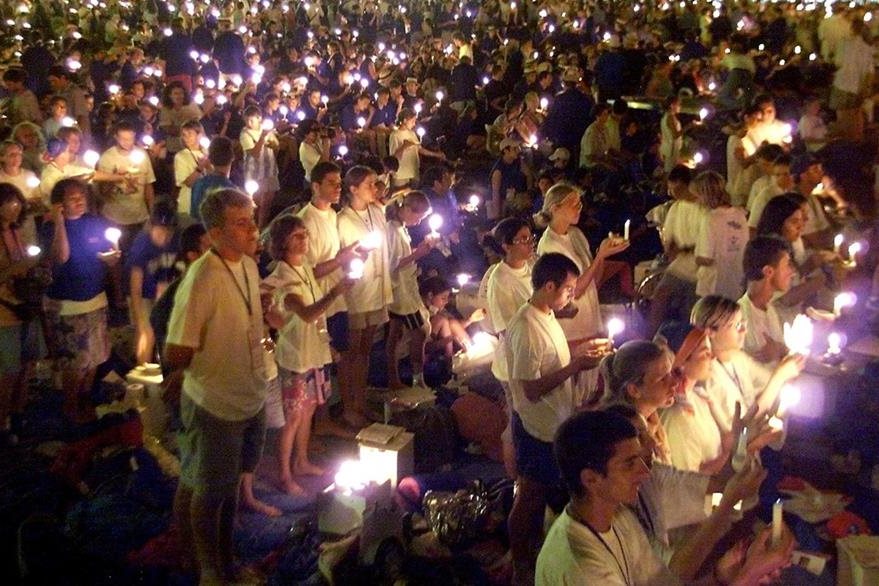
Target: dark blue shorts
{"type": "Point", "coordinates": [337, 327]}
{"type": "Point", "coordinates": [534, 458]}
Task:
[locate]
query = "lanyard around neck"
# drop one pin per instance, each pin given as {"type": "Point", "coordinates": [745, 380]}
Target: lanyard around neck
{"type": "Point", "coordinates": [245, 297]}
{"type": "Point", "coordinates": [624, 566]}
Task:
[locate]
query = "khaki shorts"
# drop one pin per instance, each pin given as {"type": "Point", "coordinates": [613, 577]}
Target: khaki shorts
{"type": "Point", "coordinates": [214, 452]}
{"type": "Point", "coordinates": [361, 321]}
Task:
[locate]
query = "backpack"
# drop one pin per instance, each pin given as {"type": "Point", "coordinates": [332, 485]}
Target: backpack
{"type": "Point", "coordinates": [436, 436]}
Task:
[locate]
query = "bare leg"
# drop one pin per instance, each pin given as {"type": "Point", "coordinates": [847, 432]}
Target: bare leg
{"type": "Point", "coordinates": [460, 334]}
{"type": "Point", "coordinates": [416, 353]}
{"type": "Point", "coordinates": [524, 525]}
{"type": "Point", "coordinates": [285, 450]}
{"type": "Point", "coordinates": [395, 333]}
{"type": "Point", "coordinates": [302, 466]}
{"type": "Point", "coordinates": [250, 500]}
{"type": "Point", "coordinates": [183, 519]}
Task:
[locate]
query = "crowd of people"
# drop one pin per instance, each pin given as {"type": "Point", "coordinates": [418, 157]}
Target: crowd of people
{"type": "Point", "coordinates": [261, 190]}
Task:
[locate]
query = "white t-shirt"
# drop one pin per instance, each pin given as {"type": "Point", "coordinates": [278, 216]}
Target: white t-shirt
{"type": "Point", "coordinates": [52, 174]}
{"type": "Point", "coordinates": [817, 220]}
{"type": "Point", "coordinates": [573, 555]}
{"type": "Point", "coordinates": [301, 346]}
{"type": "Point", "coordinates": [264, 168]}
{"type": "Point", "coordinates": [227, 374]}
{"type": "Point", "coordinates": [123, 207]}
{"type": "Point", "coordinates": [756, 187]}
{"type": "Point", "coordinates": [771, 132]}
{"type": "Point", "coordinates": [691, 431]}
{"type": "Point", "coordinates": [681, 228]}
{"type": "Point", "coordinates": [508, 289]}
{"type": "Point", "coordinates": [574, 245]}
{"type": "Point", "coordinates": [536, 347]}
{"type": "Point", "coordinates": [763, 325]}
{"type": "Point", "coordinates": [723, 235]}
{"type": "Point", "coordinates": [854, 62]}
{"type": "Point", "coordinates": [482, 298]}
{"type": "Point", "coordinates": [403, 281]}
{"type": "Point", "coordinates": [673, 498]}
{"type": "Point", "coordinates": [323, 245]}
{"type": "Point", "coordinates": [757, 204]}
{"type": "Point", "coordinates": [409, 163]}
{"type": "Point", "coordinates": [734, 167]}
{"type": "Point", "coordinates": [812, 128]}
{"type": "Point", "coordinates": [741, 380]}
{"type": "Point", "coordinates": [185, 164]}
{"type": "Point", "coordinates": [374, 291]}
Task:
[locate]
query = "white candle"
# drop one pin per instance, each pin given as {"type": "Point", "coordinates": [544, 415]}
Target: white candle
{"type": "Point", "coordinates": [615, 326]}
{"type": "Point", "coordinates": [776, 522]}
{"type": "Point", "coordinates": [356, 269]}
{"type": "Point", "coordinates": [435, 222]}
{"type": "Point", "coordinates": [474, 201]}
{"type": "Point", "coordinates": [788, 397]}
{"type": "Point", "coordinates": [463, 279]}
{"type": "Point", "coordinates": [33, 182]}
{"type": "Point", "coordinates": [626, 229]}
{"type": "Point", "coordinates": [853, 249]}
{"type": "Point", "coordinates": [837, 243]}
{"type": "Point", "coordinates": [834, 343]}
{"type": "Point", "coordinates": [251, 187]}
{"type": "Point", "coordinates": [204, 142]}
{"type": "Point", "coordinates": [113, 235]}
{"type": "Point", "coordinates": [776, 424]}
{"type": "Point", "coordinates": [136, 157]}
{"type": "Point", "coordinates": [268, 125]}
{"type": "Point", "coordinates": [841, 301]}
{"type": "Point", "coordinates": [91, 158]}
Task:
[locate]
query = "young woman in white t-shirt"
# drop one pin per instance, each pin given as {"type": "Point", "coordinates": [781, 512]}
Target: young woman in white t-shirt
{"type": "Point", "coordinates": [362, 221]}
{"type": "Point", "coordinates": [735, 376]}
{"type": "Point", "coordinates": [721, 239]}
{"type": "Point", "coordinates": [560, 213]}
{"type": "Point", "coordinates": [303, 349]}
{"type": "Point", "coordinates": [407, 310]}
{"type": "Point", "coordinates": [190, 163]}
{"type": "Point", "coordinates": [508, 288]}
{"type": "Point", "coordinates": [405, 146]}
{"type": "Point", "coordinates": [259, 145]}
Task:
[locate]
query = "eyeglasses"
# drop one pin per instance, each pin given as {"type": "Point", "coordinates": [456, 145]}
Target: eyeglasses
{"type": "Point", "coordinates": [526, 240]}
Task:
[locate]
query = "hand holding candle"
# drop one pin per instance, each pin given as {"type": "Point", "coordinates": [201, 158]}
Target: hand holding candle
{"type": "Point", "coordinates": [615, 327]}
{"type": "Point", "coordinates": [435, 222]}
{"type": "Point", "coordinates": [837, 243]}
{"type": "Point", "coordinates": [113, 235]}
{"type": "Point", "coordinates": [626, 229]}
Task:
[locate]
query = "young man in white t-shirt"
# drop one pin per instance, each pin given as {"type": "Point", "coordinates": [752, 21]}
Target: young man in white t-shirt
{"type": "Point", "coordinates": [131, 201]}
{"type": "Point", "coordinates": [768, 271]}
{"type": "Point", "coordinates": [330, 261]}
{"type": "Point", "coordinates": [540, 369]}
{"type": "Point", "coordinates": [215, 345]}
{"type": "Point", "coordinates": [598, 540]}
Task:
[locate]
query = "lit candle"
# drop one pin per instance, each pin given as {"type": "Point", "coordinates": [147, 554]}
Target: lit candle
{"type": "Point", "coordinates": [251, 187]}
{"type": "Point", "coordinates": [473, 202]}
{"type": "Point", "coordinates": [91, 158]}
{"type": "Point", "coordinates": [788, 397]}
{"type": "Point", "coordinates": [776, 424]}
{"type": "Point", "coordinates": [740, 457]}
{"type": "Point", "coordinates": [343, 150]}
{"type": "Point", "coordinates": [837, 243]}
{"type": "Point", "coordinates": [34, 250]}
{"type": "Point", "coordinates": [776, 522]}
{"type": "Point", "coordinates": [67, 121]}
{"type": "Point", "coordinates": [361, 122]}
{"type": "Point", "coordinates": [33, 182]}
{"type": "Point", "coordinates": [463, 279]}
{"type": "Point", "coordinates": [626, 229]}
{"type": "Point", "coordinates": [843, 300]}
{"type": "Point", "coordinates": [420, 132]}
{"type": "Point", "coordinates": [615, 326]}
{"type": "Point", "coordinates": [136, 157]}
{"type": "Point", "coordinates": [355, 271]}
{"type": "Point", "coordinates": [798, 335]}
{"type": "Point", "coordinates": [703, 114]}
{"type": "Point", "coordinates": [853, 249]}
{"type": "Point", "coordinates": [113, 235]}
{"type": "Point", "coordinates": [435, 222]}
{"type": "Point", "coordinates": [268, 125]}
{"type": "Point", "coordinates": [698, 157]}
{"type": "Point", "coordinates": [439, 96]}
{"type": "Point", "coordinates": [834, 343]}
{"type": "Point", "coordinates": [204, 142]}
{"type": "Point", "coordinates": [147, 140]}
{"type": "Point", "coordinates": [544, 103]}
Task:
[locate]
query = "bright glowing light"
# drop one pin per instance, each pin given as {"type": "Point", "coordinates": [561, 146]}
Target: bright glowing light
{"type": "Point", "coordinates": [137, 157]}
{"type": "Point", "coordinates": [204, 142]}
{"type": "Point", "coordinates": [703, 113]}
{"type": "Point", "coordinates": [361, 121]}
{"type": "Point", "coordinates": [91, 158]}
{"type": "Point", "coordinates": [843, 300]}
{"type": "Point", "coordinates": [544, 103]}
{"type": "Point", "coordinates": [834, 343]}
{"type": "Point", "coordinates": [68, 122]}
{"type": "Point", "coordinates": [439, 96]}
{"type": "Point", "coordinates": [268, 125]}
{"type": "Point", "coordinates": [420, 132]}
{"type": "Point", "coordinates": [615, 326]}
{"type": "Point", "coordinates": [147, 140]}
{"type": "Point", "coordinates": [32, 181]}
{"type": "Point", "coordinates": [462, 279]}
{"type": "Point", "coordinates": [352, 475]}
{"type": "Point", "coordinates": [343, 150]}
{"type": "Point", "coordinates": [113, 235]}
{"type": "Point", "coordinates": [698, 157]}
{"type": "Point", "coordinates": [435, 222]}
{"type": "Point", "coordinates": [837, 243]}
{"type": "Point", "coordinates": [113, 88]}
{"type": "Point", "coordinates": [371, 241]}
{"type": "Point", "coordinates": [473, 202]}
{"type": "Point", "coordinates": [798, 335]}
{"type": "Point", "coordinates": [789, 397]}
{"type": "Point", "coordinates": [355, 270]}
{"type": "Point", "coordinates": [854, 249]}
{"type": "Point", "coordinates": [34, 250]}
{"type": "Point", "coordinates": [251, 187]}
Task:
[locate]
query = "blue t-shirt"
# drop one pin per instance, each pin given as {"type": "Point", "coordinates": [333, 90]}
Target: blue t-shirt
{"type": "Point", "coordinates": [82, 276]}
{"type": "Point", "coordinates": [202, 186]}
{"type": "Point", "coordinates": [156, 263]}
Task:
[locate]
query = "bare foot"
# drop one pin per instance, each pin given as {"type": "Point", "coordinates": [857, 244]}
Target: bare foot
{"type": "Point", "coordinates": [307, 469]}
{"type": "Point", "coordinates": [290, 487]}
{"type": "Point", "coordinates": [257, 506]}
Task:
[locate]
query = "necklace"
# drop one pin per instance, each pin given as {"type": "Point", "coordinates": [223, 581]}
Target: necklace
{"type": "Point", "coordinates": [305, 278]}
{"type": "Point", "coordinates": [734, 377]}
{"type": "Point", "coordinates": [367, 221]}
{"type": "Point", "coordinates": [624, 566]}
{"type": "Point", "coordinates": [244, 297]}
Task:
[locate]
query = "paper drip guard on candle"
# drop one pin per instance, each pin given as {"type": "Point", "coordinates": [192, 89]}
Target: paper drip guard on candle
{"type": "Point", "coordinates": [113, 235]}
{"type": "Point", "coordinates": [615, 327]}
{"type": "Point", "coordinates": [798, 335]}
